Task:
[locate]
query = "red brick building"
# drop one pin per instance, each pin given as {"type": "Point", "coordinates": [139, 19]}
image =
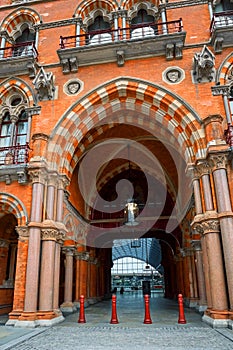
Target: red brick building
{"type": "Point", "coordinates": [94, 93]}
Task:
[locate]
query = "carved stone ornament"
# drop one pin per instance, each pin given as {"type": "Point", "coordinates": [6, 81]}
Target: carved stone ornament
{"type": "Point", "coordinates": [203, 66]}
{"type": "Point", "coordinates": [73, 87]}
{"type": "Point", "coordinates": [208, 226]}
{"type": "Point", "coordinates": [49, 234]}
{"type": "Point", "coordinates": [173, 75]}
{"type": "Point", "coordinates": [23, 233]}
{"type": "Point", "coordinates": [120, 58]}
{"type": "Point", "coordinates": [44, 85]}
{"type": "Point", "coordinates": [218, 90]}
{"type": "Point", "coordinates": [204, 168]}
{"type": "Point", "coordinates": [218, 161]}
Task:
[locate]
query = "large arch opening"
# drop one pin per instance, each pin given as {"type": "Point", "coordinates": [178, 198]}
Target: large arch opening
{"type": "Point", "coordinates": [129, 140]}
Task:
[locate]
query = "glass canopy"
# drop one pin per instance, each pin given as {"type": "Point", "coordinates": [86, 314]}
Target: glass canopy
{"type": "Point", "coordinates": [148, 251]}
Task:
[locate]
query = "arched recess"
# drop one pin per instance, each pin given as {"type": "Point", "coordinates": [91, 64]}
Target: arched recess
{"type": "Point", "coordinates": [155, 103]}
{"type": "Point", "coordinates": [12, 85]}
{"type": "Point", "coordinates": [9, 204]}
{"type": "Point", "coordinates": [86, 8]}
{"type": "Point", "coordinates": [13, 214]}
{"type": "Point", "coordinates": [224, 75]}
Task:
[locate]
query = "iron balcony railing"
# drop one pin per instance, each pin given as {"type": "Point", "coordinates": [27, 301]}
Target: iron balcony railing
{"type": "Point", "coordinates": [138, 31]}
{"type": "Point", "coordinates": [221, 19]}
{"type": "Point", "coordinates": [26, 49]}
{"type": "Point", "coordinates": [14, 154]}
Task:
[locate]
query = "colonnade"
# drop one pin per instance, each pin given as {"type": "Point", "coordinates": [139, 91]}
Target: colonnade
{"type": "Point", "coordinates": [213, 223]}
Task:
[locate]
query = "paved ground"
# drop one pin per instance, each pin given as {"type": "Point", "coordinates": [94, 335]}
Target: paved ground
{"type": "Point", "coordinates": [130, 333]}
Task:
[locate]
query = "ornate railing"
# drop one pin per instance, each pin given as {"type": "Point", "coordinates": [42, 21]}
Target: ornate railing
{"type": "Point", "coordinates": [146, 30]}
{"type": "Point", "coordinates": [221, 19]}
{"type": "Point", "coordinates": [19, 50]}
{"type": "Point", "coordinates": [14, 154]}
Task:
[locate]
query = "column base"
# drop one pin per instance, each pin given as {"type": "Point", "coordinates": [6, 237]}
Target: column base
{"type": "Point", "coordinates": [216, 319]}
{"type": "Point", "coordinates": [36, 319]}
{"type": "Point", "coordinates": [68, 307]}
{"type": "Point", "coordinates": [13, 317]}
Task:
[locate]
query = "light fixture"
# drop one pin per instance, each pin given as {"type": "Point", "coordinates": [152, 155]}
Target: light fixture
{"type": "Point", "coordinates": [131, 210]}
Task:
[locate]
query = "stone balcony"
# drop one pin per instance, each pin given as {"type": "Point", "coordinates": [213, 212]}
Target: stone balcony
{"type": "Point", "coordinates": [13, 163]}
{"type": "Point", "coordinates": [120, 45]}
{"type": "Point", "coordinates": [221, 30]}
{"type": "Point", "coordinates": [18, 59]}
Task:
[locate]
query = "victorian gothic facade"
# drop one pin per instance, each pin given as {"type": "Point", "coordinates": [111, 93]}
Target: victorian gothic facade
{"type": "Point", "coordinates": [94, 93]}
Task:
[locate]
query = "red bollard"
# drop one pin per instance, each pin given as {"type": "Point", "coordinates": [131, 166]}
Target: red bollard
{"type": "Point", "coordinates": [181, 310]}
{"type": "Point", "coordinates": [114, 319]}
{"type": "Point", "coordinates": [81, 310]}
{"type": "Point", "coordinates": [147, 318]}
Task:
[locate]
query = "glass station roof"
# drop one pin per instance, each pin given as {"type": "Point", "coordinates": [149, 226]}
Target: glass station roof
{"type": "Point", "coordinates": [148, 251]}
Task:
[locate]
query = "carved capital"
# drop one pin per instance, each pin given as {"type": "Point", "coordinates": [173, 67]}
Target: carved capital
{"type": "Point", "coordinates": [218, 90]}
{"type": "Point", "coordinates": [38, 175]}
{"type": "Point", "coordinates": [23, 232]}
{"type": "Point", "coordinates": [49, 234]}
{"type": "Point", "coordinates": [68, 250]}
{"type": "Point", "coordinates": [218, 161]}
{"type": "Point", "coordinates": [204, 168]}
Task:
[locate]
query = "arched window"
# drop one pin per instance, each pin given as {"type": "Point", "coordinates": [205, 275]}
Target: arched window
{"type": "Point", "coordinates": [21, 129]}
{"type": "Point", "coordinates": [143, 25]}
{"type": "Point", "coordinates": [24, 43]}
{"type": "Point", "coordinates": [13, 139]}
{"type": "Point", "coordinates": [5, 134]}
{"type": "Point", "coordinates": [99, 32]}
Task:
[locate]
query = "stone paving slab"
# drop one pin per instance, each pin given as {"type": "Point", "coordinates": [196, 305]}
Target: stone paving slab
{"type": "Point", "coordinates": [124, 338]}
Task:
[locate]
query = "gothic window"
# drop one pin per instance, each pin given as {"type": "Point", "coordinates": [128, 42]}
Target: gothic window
{"type": "Point", "coordinates": [24, 43]}
{"type": "Point", "coordinates": [99, 31]}
{"type": "Point", "coordinates": [13, 136]}
{"type": "Point", "coordinates": [5, 134]}
{"type": "Point", "coordinates": [143, 25]}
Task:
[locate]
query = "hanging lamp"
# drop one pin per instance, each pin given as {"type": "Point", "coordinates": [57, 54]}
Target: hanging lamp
{"type": "Point", "coordinates": [131, 209]}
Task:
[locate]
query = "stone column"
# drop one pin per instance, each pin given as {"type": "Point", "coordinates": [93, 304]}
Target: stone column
{"type": "Point", "coordinates": [218, 314]}
{"type": "Point", "coordinates": [68, 305]}
{"type": "Point", "coordinates": [33, 262]}
{"type": "Point", "coordinates": [49, 236]}
{"type": "Point", "coordinates": [93, 281]}
{"type": "Point", "coordinates": [78, 256]}
{"type": "Point", "coordinates": [164, 18]}
{"type": "Point", "coordinates": [225, 214]}
{"type": "Point", "coordinates": [62, 183]}
{"type": "Point", "coordinates": [83, 273]}
{"type": "Point", "coordinates": [200, 275]}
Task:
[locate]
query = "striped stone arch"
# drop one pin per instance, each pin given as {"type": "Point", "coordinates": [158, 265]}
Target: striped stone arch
{"type": "Point", "coordinates": [86, 7]}
{"type": "Point", "coordinates": [19, 16]}
{"type": "Point", "coordinates": [9, 204]}
{"type": "Point", "coordinates": [18, 85]}
{"type": "Point", "coordinates": [127, 4]}
{"type": "Point", "coordinates": [153, 102]}
{"type": "Point", "coordinates": [225, 69]}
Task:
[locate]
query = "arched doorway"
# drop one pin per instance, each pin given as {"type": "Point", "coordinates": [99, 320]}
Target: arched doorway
{"type": "Point", "coordinates": [129, 139]}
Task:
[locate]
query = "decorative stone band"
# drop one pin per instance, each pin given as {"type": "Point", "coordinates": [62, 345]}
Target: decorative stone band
{"type": "Point", "coordinates": [23, 232]}
{"type": "Point", "coordinates": [206, 223]}
{"type": "Point", "coordinates": [50, 230]}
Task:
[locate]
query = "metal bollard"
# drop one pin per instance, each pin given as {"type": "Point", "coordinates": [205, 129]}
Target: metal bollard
{"type": "Point", "coordinates": [114, 319]}
{"type": "Point", "coordinates": [181, 310]}
{"type": "Point", "coordinates": [147, 318]}
{"type": "Point", "coordinates": [81, 310]}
